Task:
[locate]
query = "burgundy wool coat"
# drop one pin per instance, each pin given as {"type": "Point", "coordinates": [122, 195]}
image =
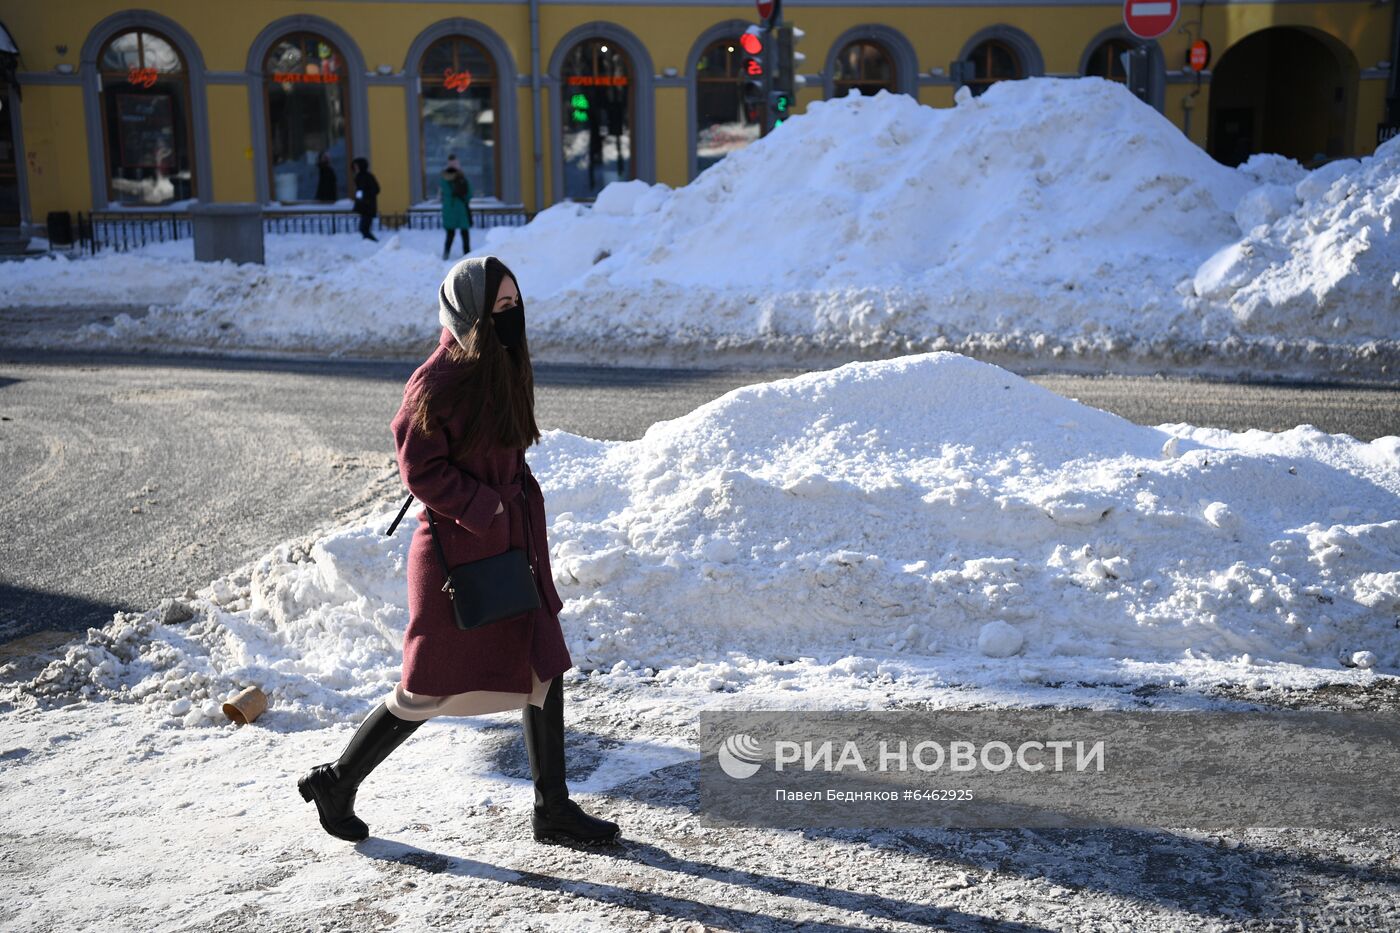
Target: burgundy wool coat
{"type": "Point", "coordinates": [440, 659]}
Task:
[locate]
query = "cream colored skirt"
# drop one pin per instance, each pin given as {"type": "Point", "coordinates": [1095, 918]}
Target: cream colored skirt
{"type": "Point", "coordinates": [415, 706]}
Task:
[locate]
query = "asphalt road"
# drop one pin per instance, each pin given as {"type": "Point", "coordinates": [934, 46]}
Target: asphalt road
{"type": "Point", "coordinates": [128, 478]}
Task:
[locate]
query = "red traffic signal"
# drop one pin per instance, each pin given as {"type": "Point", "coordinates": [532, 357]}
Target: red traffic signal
{"type": "Point", "coordinates": [751, 43]}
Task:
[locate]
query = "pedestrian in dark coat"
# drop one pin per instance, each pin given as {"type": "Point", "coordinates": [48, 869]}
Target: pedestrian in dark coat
{"type": "Point", "coordinates": [461, 433]}
{"type": "Point", "coordinates": [455, 191]}
{"type": "Point", "coordinates": [366, 197]}
{"type": "Point", "coordinates": [325, 179]}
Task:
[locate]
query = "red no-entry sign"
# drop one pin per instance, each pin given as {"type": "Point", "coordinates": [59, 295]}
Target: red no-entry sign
{"type": "Point", "coordinates": [1148, 19]}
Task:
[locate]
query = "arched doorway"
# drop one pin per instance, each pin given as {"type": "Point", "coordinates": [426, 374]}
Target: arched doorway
{"type": "Point", "coordinates": [457, 112]}
{"type": "Point", "coordinates": [13, 206]}
{"type": "Point", "coordinates": [863, 67]}
{"type": "Point", "coordinates": [308, 149]}
{"type": "Point", "coordinates": [147, 141]}
{"type": "Point", "coordinates": [1284, 89]}
{"type": "Point", "coordinates": [596, 87]}
{"type": "Point", "coordinates": [1104, 60]}
{"type": "Point", "coordinates": [721, 120]}
{"type": "Point", "coordinates": [474, 117]}
{"type": "Point", "coordinates": [993, 61]}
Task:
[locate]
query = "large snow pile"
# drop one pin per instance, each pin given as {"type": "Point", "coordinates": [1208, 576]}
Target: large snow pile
{"type": "Point", "coordinates": [926, 517]}
{"type": "Point", "coordinates": [1054, 217]}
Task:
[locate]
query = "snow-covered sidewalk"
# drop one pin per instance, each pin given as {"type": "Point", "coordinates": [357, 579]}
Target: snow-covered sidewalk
{"type": "Point", "coordinates": [1050, 223]}
{"type": "Point", "coordinates": [116, 821]}
{"type": "Point", "coordinates": [924, 532]}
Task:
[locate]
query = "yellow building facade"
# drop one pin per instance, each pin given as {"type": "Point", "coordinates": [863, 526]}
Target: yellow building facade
{"type": "Point", "coordinates": [112, 107]}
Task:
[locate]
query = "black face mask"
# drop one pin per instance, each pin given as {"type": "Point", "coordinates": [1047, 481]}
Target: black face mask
{"type": "Point", "coordinates": [510, 324]}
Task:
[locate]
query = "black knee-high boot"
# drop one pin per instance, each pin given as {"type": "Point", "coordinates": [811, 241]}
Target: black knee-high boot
{"type": "Point", "coordinates": [332, 786]}
{"type": "Point", "coordinates": [556, 816]}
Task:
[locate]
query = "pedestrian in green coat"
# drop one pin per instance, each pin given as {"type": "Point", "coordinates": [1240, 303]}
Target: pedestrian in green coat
{"type": "Point", "coordinates": [456, 192]}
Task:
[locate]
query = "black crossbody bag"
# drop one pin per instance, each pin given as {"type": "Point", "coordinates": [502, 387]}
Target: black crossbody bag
{"type": "Point", "coordinates": [493, 588]}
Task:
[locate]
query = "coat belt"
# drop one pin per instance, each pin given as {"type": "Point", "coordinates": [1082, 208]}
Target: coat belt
{"type": "Point", "coordinates": [507, 492]}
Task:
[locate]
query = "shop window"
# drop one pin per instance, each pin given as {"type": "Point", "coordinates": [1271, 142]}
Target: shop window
{"type": "Point", "coordinates": [146, 120]}
{"type": "Point", "coordinates": [596, 98]}
{"type": "Point", "coordinates": [993, 61]}
{"type": "Point", "coordinates": [863, 67]}
{"type": "Point", "coordinates": [722, 122]}
{"type": "Point", "coordinates": [304, 82]}
{"type": "Point", "coordinates": [458, 108]}
{"type": "Point", "coordinates": [1104, 60]}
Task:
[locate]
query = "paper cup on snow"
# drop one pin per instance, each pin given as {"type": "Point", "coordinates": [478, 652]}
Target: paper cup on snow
{"type": "Point", "coordinates": [246, 706]}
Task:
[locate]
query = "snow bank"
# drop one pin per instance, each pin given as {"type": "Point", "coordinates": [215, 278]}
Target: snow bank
{"type": "Point", "coordinates": [318, 292]}
{"type": "Point", "coordinates": [1049, 217]}
{"type": "Point", "coordinates": [929, 516]}
{"type": "Point", "coordinates": [1319, 256]}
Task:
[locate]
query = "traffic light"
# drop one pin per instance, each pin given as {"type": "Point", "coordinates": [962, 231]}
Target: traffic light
{"type": "Point", "coordinates": [753, 68]}
{"type": "Point", "coordinates": [779, 106]}
{"type": "Point", "coordinates": [786, 81]}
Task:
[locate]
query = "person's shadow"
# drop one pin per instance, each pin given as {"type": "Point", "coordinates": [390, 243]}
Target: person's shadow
{"type": "Point", "coordinates": [877, 907]}
{"type": "Point", "coordinates": [1159, 869]}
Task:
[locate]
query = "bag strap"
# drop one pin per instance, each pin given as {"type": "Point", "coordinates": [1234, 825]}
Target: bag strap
{"type": "Point", "coordinates": [442, 556]}
{"type": "Point", "coordinates": [400, 515]}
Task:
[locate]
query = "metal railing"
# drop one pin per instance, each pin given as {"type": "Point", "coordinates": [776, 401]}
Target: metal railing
{"type": "Point", "coordinates": [120, 231]}
{"type": "Point", "coordinates": [125, 230]}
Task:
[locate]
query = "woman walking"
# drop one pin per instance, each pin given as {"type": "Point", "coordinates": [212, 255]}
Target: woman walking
{"type": "Point", "coordinates": [467, 417]}
{"type": "Point", "coordinates": [456, 192]}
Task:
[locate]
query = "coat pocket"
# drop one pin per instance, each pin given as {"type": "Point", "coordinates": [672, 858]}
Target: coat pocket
{"type": "Point", "coordinates": [463, 546]}
{"type": "Point", "coordinates": [497, 537]}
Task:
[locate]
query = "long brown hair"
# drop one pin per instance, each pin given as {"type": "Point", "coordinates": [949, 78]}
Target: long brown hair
{"type": "Point", "coordinates": [481, 369]}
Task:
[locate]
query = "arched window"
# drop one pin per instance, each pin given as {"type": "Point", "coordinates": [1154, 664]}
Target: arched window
{"type": "Point", "coordinates": [722, 122]}
{"type": "Point", "coordinates": [308, 154]}
{"type": "Point", "coordinates": [596, 89]}
{"type": "Point", "coordinates": [1104, 60]}
{"type": "Point", "coordinates": [865, 67]}
{"type": "Point", "coordinates": [993, 61]}
{"type": "Point", "coordinates": [458, 108]}
{"type": "Point", "coordinates": [146, 119]}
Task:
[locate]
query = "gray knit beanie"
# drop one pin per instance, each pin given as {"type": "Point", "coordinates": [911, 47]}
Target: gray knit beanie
{"type": "Point", "coordinates": [462, 296]}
